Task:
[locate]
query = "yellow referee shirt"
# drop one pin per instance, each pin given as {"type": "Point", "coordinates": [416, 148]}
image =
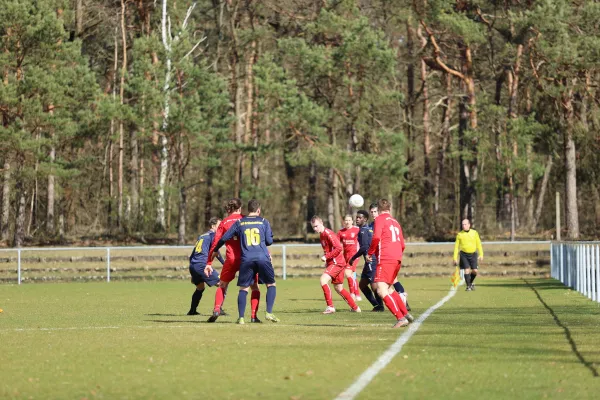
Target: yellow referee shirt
{"type": "Point", "coordinates": [467, 242]}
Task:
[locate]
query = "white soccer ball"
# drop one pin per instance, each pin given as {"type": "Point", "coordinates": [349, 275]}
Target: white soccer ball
{"type": "Point", "coordinates": [356, 200]}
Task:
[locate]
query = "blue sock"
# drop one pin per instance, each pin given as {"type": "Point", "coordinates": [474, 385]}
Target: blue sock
{"type": "Point", "coordinates": [399, 288]}
{"type": "Point", "coordinates": [271, 293]}
{"type": "Point", "coordinates": [242, 296]}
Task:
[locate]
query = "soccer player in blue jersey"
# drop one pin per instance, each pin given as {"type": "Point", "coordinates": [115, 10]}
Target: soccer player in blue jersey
{"type": "Point", "coordinates": [254, 234]}
{"type": "Point", "coordinates": [198, 260]}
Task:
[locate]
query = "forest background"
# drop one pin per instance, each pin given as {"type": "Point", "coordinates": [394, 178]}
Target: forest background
{"type": "Point", "coordinates": [134, 120]}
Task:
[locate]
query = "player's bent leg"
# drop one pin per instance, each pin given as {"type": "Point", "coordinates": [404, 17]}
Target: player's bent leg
{"type": "Point", "coordinates": [384, 290]}
{"type": "Point", "coordinates": [339, 288]}
{"type": "Point", "coordinates": [196, 297]}
{"type": "Point", "coordinates": [324, 280]}
{"type": "Point", "coordinates": [219, 298]}
{"type": "Point", "coordinates": [473, 276]}
{"type": "Point", "coordinates": [363, 284]}
{"type": "Point", "coordinates": [271, 294]}
{"type": "Point", "coordinates": [468, 278]}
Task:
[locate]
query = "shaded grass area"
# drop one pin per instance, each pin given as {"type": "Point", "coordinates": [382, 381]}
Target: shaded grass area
{"type": "Point", "coordinates": [523, 338]}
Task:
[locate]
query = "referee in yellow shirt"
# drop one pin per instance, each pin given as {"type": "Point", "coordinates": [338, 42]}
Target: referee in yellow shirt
{"type": "Point", "coordinates": [466, 250]}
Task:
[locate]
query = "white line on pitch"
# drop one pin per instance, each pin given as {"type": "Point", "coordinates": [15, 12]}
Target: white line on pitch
{"type": "Point", "coordinates": [390, 353]}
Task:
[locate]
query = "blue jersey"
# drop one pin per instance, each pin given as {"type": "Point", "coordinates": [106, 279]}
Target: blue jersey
{"type": "Point", "coordinates": [365, 234]}
{"type": "Point", "coordinates": [200, 253]}
{"type": "Point", "coordinates": [255, 235]}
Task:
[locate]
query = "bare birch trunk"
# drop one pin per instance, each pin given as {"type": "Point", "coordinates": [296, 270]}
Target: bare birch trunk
{"type": "Point", "coordinates": [542, 194]}
{"type": "Point", "coordinates": [19, 235]}
{"type": "Point", "coordinates": [161, 224]}
{"type": "Point", "coordinates": [572, 214]}
{"type": "Point", "coordinates": [6, 202]}
{"type": "Point", "coordinates": [332, 199]}
{"type": "Point", "coordinates": [311, 198]}
{"type": "Point", "coordinates": [121, 134]}
{"type": "Point", "coordinates": [182, 193]}
{"type": "Point", "coordinates": [134, 178]}
{"type": "Point", "coordinates": [439, 170]}
{"type": "Point", "coordinates": [78, 17]}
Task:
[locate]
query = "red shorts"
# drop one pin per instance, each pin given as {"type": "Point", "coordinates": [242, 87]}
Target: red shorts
{"type": "Point", "coordinates": [353, 266]}
{"type": "Point", "coordinates": [230, 268]}
{"type": "Point", "coordinates": [387, 272]}
{"type": "Point", "coordinates": [336, 272]}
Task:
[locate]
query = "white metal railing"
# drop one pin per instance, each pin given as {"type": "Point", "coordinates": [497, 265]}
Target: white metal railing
{"type": "Point", "coordinates": [109, 251]}
{"type": "Point", "coordinates": [577, 265]}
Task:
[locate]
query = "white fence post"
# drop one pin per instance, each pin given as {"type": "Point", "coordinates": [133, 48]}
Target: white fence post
{"type": "Point", "coordinates": [597, 258]}
{"type": "Point", "coordinates": [108, 264]}
{"type": "Point", "coordinates": [283, 262]}
{"type": "Point", "coordinates": [19, 265]}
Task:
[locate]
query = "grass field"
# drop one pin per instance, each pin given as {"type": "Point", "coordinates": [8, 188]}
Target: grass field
{"type": "Point", "coordinates": [511, 338]}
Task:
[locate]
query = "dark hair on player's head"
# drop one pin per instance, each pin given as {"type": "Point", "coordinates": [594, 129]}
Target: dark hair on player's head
{"type": "Point", "coordinates": [364, 213]}
{"type": "Point", "coordinates": [213, 221]}
{"type": "Point", "coordinates": [253, 205]}
{"type": "Point", "coordinates": [372, 206]}
{"type": "Point", "coordinates": [384, 205]}
{"type": "Point", "coordinates": [316, 218]}
{"type": "Point", "coordinates": [233, 205]}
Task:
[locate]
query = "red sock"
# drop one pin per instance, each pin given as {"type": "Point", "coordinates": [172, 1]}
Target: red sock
{"type": "Point", "coordinates": [346, 295]}
{"type": "Point", "coordinates": [254, 301]}
{"type": "Point", "coordinates": [392, 306]}
{"type": "Point", "coordinates": [219, 297]}
{"type": "Point", "coordinates": [327, 293]}
{"type": "Point", "coordinates": [352, 285]}
{"type": "Point", "coordinates": [400, 303]}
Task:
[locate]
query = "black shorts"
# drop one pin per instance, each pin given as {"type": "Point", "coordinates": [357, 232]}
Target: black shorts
{"type": "Point", "coordinates": [249, 270]}
{"type": "Point", "coordinates": [198, 275]}
{"type": "Point", "coordinates": [468, 260]}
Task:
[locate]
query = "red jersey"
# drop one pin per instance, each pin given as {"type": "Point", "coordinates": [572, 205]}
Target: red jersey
{"type": "Point", "coordinates": [349, 239]}
{"type": "Point", "coordinates": [233, 250]}
{"type": "Point", "coordinates": [388, 241]}
{"type": "Point", "coordinates": [332, 248]}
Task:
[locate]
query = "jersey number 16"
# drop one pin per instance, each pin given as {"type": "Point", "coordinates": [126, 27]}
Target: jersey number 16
{"type": "Point", "coordinates": [252, 237]}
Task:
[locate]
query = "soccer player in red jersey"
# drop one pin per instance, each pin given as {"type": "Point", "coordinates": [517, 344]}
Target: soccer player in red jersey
{"type": "Point", "coordinates": [348, 236]}
{"type": "Point", "coordinates": [233, 255]}
{"type": "Point", "coordinates": [388, 245]}
{"type": "Point", "coordinates": [335, 264]}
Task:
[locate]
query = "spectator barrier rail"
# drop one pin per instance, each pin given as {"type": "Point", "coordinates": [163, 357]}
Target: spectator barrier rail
{"type": "Point", "coordinates": [577, 265]}
{"type": "Point", "coordinates": [283, 251]}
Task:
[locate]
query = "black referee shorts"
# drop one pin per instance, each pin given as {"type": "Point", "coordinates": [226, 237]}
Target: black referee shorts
{"type": "Point", "coordinates": [468, 260]}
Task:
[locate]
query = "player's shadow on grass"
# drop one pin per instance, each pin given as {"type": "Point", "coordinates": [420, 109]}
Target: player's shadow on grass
{"type": "Point", "coordinates": [546, 284]}
{"type": "Point", "coordinates": [162, 315]}
{"type": "Point", "coordinates": [589, 365]}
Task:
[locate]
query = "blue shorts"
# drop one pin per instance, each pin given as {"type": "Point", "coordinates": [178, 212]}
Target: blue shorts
{"type": "Point", "coordinates": [198, 275]}
{"type": "Point", "coordinates": [249, 269]}
{"type": "Point", "coordinates": [369, 270]}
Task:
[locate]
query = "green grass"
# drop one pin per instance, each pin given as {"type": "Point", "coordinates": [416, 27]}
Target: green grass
{"type": "Point", "coordinates": [511, 338]}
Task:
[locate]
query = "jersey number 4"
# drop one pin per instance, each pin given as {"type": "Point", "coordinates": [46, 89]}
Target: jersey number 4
{"type": "Point", "coordinates": [395, 233]}
{"type": "Point", "coordinates": [252, 237]}
{"type": "Point", "coordinates": [199, 245]}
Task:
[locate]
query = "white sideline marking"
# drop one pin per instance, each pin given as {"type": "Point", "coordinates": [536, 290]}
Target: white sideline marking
{"type": "Point", "coordinates": [390, 353]}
